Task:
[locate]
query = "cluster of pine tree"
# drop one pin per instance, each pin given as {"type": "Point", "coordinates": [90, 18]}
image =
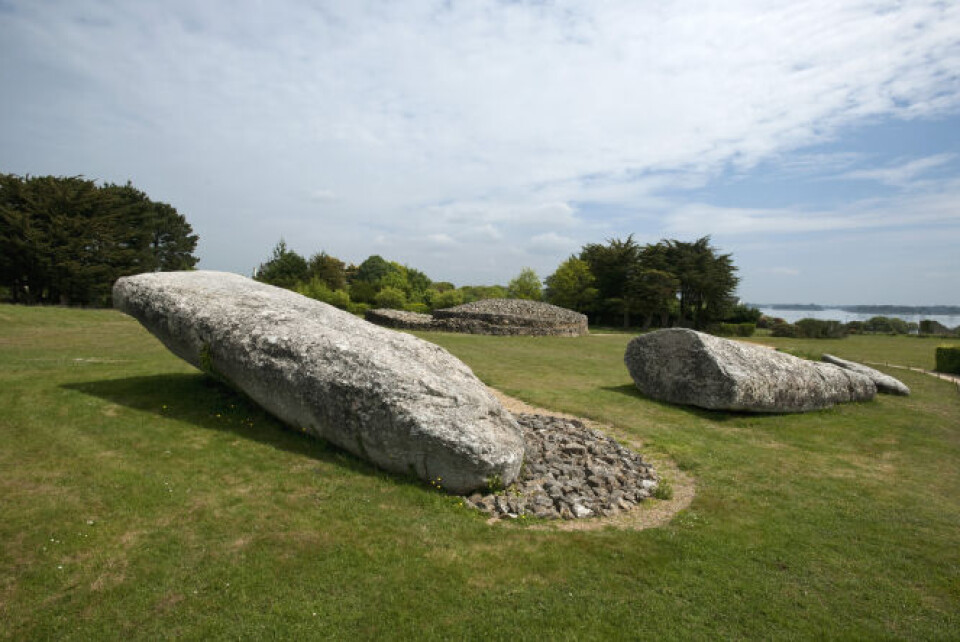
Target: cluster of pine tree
{"type": "Point", "coordinates": [65, 240]}
{"type": "Point", "coordinates": [668, 283]}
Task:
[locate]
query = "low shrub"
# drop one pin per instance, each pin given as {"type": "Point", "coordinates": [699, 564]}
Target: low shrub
{"type": "Point", "coordinates": [820, 329]}
{"type": "Point", "coordinates": [359, 309]}
{"type": "Point", "coordinates": [948, 359]}
{"type": "Point", "coordinates": [784, 330]}
{"type": "Point", "coordinates": [421, 308]}
{"type": "Point", "coordinates": [733, 329]}
{"type": "Point", "coordinates": [765, 322]}
{"type": "Point", "coordinates": [746, 329]}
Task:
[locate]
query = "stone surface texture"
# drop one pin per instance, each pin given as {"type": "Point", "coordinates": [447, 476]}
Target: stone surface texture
{"type": "Point", "coordinates": [692, 368]}
{"type": "Point", "coordinates": [511, 317]}
{"type": "Point", "coordinates": [884, 382]}
{"type": "Point", "coordinates": [570, 472]}
{"type": "Point", "coordinates": [400, 319]}
{"type": "Point", "coordinates": [402, 403]}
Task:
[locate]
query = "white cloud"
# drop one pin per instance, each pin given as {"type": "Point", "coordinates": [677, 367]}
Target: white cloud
{"type": "Point", "coordinates": [551, 242]}
{"type": "Point", "coordinates": [903, 174]}
{"type": "Point", "coordinates": [784, 271]}
{"type": "Point", "coordinates": [323, 196]}
{"type": "Point", "coordinates": [474, 123]}
{"type": "Point", "coordinates": [936, 206]}
{"type": "Point", "coordinates": [440, 239]}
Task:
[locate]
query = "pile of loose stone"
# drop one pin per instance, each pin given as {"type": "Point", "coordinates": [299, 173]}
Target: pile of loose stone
{"type": "Point", "coordinates": [511, 317]}
{"type": "Point", "coordinates": [570, 471]}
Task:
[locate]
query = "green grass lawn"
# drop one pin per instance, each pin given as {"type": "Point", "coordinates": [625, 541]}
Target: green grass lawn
{"type": "Point", "coordinates": [142, 500]}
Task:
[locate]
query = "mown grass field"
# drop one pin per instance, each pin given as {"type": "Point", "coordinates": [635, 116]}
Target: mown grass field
{"type": "Point", "coordinates": [141, 500]}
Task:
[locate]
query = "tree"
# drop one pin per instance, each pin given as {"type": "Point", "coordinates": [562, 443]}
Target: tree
{"type": "Point", "coordinates": [572, 286]}
{"type": "Point", "coordinates": [525, 285]}
{"type": "Point", "coordinates": [284, 269]}
{"type": "Point", "coordinates": [652, 294]}
{"type": "Point", "coordinates": [328, 269]}
{"type": "Point", "coordinates": [66, 240]}
{"type": "Point", "coordinates": [373, 269]}
{"type": "Point", "coordinates": [612, 265]}
{"type": "Point", "coordinates": [707, 280]}
{"type": "Point", "coordinates": [437, 300]}
{"type": "Point", "coordinates": [391, 297]}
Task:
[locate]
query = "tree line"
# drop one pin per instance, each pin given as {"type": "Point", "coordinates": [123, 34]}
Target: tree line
{"type": "Point", "coordinates": [65, 240]}
{"type": "Point", "coordinates": [618, 282]}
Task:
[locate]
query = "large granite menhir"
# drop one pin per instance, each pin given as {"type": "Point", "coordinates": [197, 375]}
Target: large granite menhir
{"type": "Point", "coordinates": [688, 367]}
{"type": "Point", "coordinates": [404, 404]}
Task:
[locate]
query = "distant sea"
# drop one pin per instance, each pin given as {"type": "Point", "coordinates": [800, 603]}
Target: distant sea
{"type": "Point", "coordinates": [791, 315]}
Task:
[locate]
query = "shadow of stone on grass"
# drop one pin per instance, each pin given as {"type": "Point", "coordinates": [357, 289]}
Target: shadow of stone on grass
{"type": "Point", "coordinates": [208, 404]}
{"type": "Point", "coordinates": [718, 416]}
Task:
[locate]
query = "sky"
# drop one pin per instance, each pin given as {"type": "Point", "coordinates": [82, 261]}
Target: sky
{"type": "Point", "coordinates": [818, 142]}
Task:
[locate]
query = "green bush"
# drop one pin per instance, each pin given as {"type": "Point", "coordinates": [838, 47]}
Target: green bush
{"type": "Point", "coordinates": [948, 359]}
{"type": "Point", "coordinates": [746, 329]}
{"type": "Point", "coordinates": [422, 308]}
{"type": "Point", "coordinates": [723, 329]}
{"type": "Point", "coordinates": [820, 329]}
{"type": "Point", "coordinates": [886, 325]}
{"type": "Point", "coordinates": [391, 297]}
{"type": "Point", "coordinates": [358, 308]}
{"type": "Point", "coordinates": [317, 288]}
{"type": "Point", "coordinates": [733, 329]}
{"type": "Point", "coordinates": [784, 330]}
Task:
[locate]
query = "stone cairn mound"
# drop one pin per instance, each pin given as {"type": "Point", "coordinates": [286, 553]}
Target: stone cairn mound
{"type": "Point", "coordinates": [400, 319]}
{"type": "Point", "coordinates": [490, 316]}
{"type": "Point", "coordinates": [569, 472]}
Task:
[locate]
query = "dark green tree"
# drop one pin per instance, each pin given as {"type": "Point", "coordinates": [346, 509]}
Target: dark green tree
{"type": "Point", "coordinates": [373, 269]}
{"type": "Point", "coordinates": [65, 240]}
{"type": "Point", "coordinates": [285, 268]}
{"type": "Point", "coordinates": [653, 295]}
{"type": "Point", "coordinates": [328, 269]}
{"type": "Point", "coordinates": [707, 280]}
{"type": "Point", "coordinates": [612, 265]}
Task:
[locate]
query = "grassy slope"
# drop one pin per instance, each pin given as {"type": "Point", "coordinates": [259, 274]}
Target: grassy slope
{"type": "Point", "coordinates": [209, 519]}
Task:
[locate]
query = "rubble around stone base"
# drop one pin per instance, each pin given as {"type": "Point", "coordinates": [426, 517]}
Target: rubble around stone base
{"type": "Point", "coordinates": [569, 472]}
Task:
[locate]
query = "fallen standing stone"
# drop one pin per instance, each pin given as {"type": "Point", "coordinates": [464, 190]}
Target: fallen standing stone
{"type": "Point", "coordinates": [884, 382]}
{"type": "Point", "coordinates": [400, 402]}
{"type": "Point", "coordinates": [687, 367]}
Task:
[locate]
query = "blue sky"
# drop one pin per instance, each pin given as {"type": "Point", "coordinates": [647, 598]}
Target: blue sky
{"type": "Point", "coordinates": [818, 142]}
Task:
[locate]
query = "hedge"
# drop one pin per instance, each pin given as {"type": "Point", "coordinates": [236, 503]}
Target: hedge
{"type": "Point", "coordinates": [733, 329]}
{"type": "Point", "coordinates": [948, 359]}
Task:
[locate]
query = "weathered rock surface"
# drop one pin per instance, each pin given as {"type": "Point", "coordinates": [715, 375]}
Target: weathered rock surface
{"type": "Point", "coordinates": [570, 472]}
{"type": "Point", "coordinates": [400, 319]}
{"type": "Point", "coordinates": [511, 317]}
{"type": "Point", "coordinates": [404, 404]}
{"type": "Point", "coordinates": [688, 367]}
{"type": "Point", "coordinates": [884, 382]}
